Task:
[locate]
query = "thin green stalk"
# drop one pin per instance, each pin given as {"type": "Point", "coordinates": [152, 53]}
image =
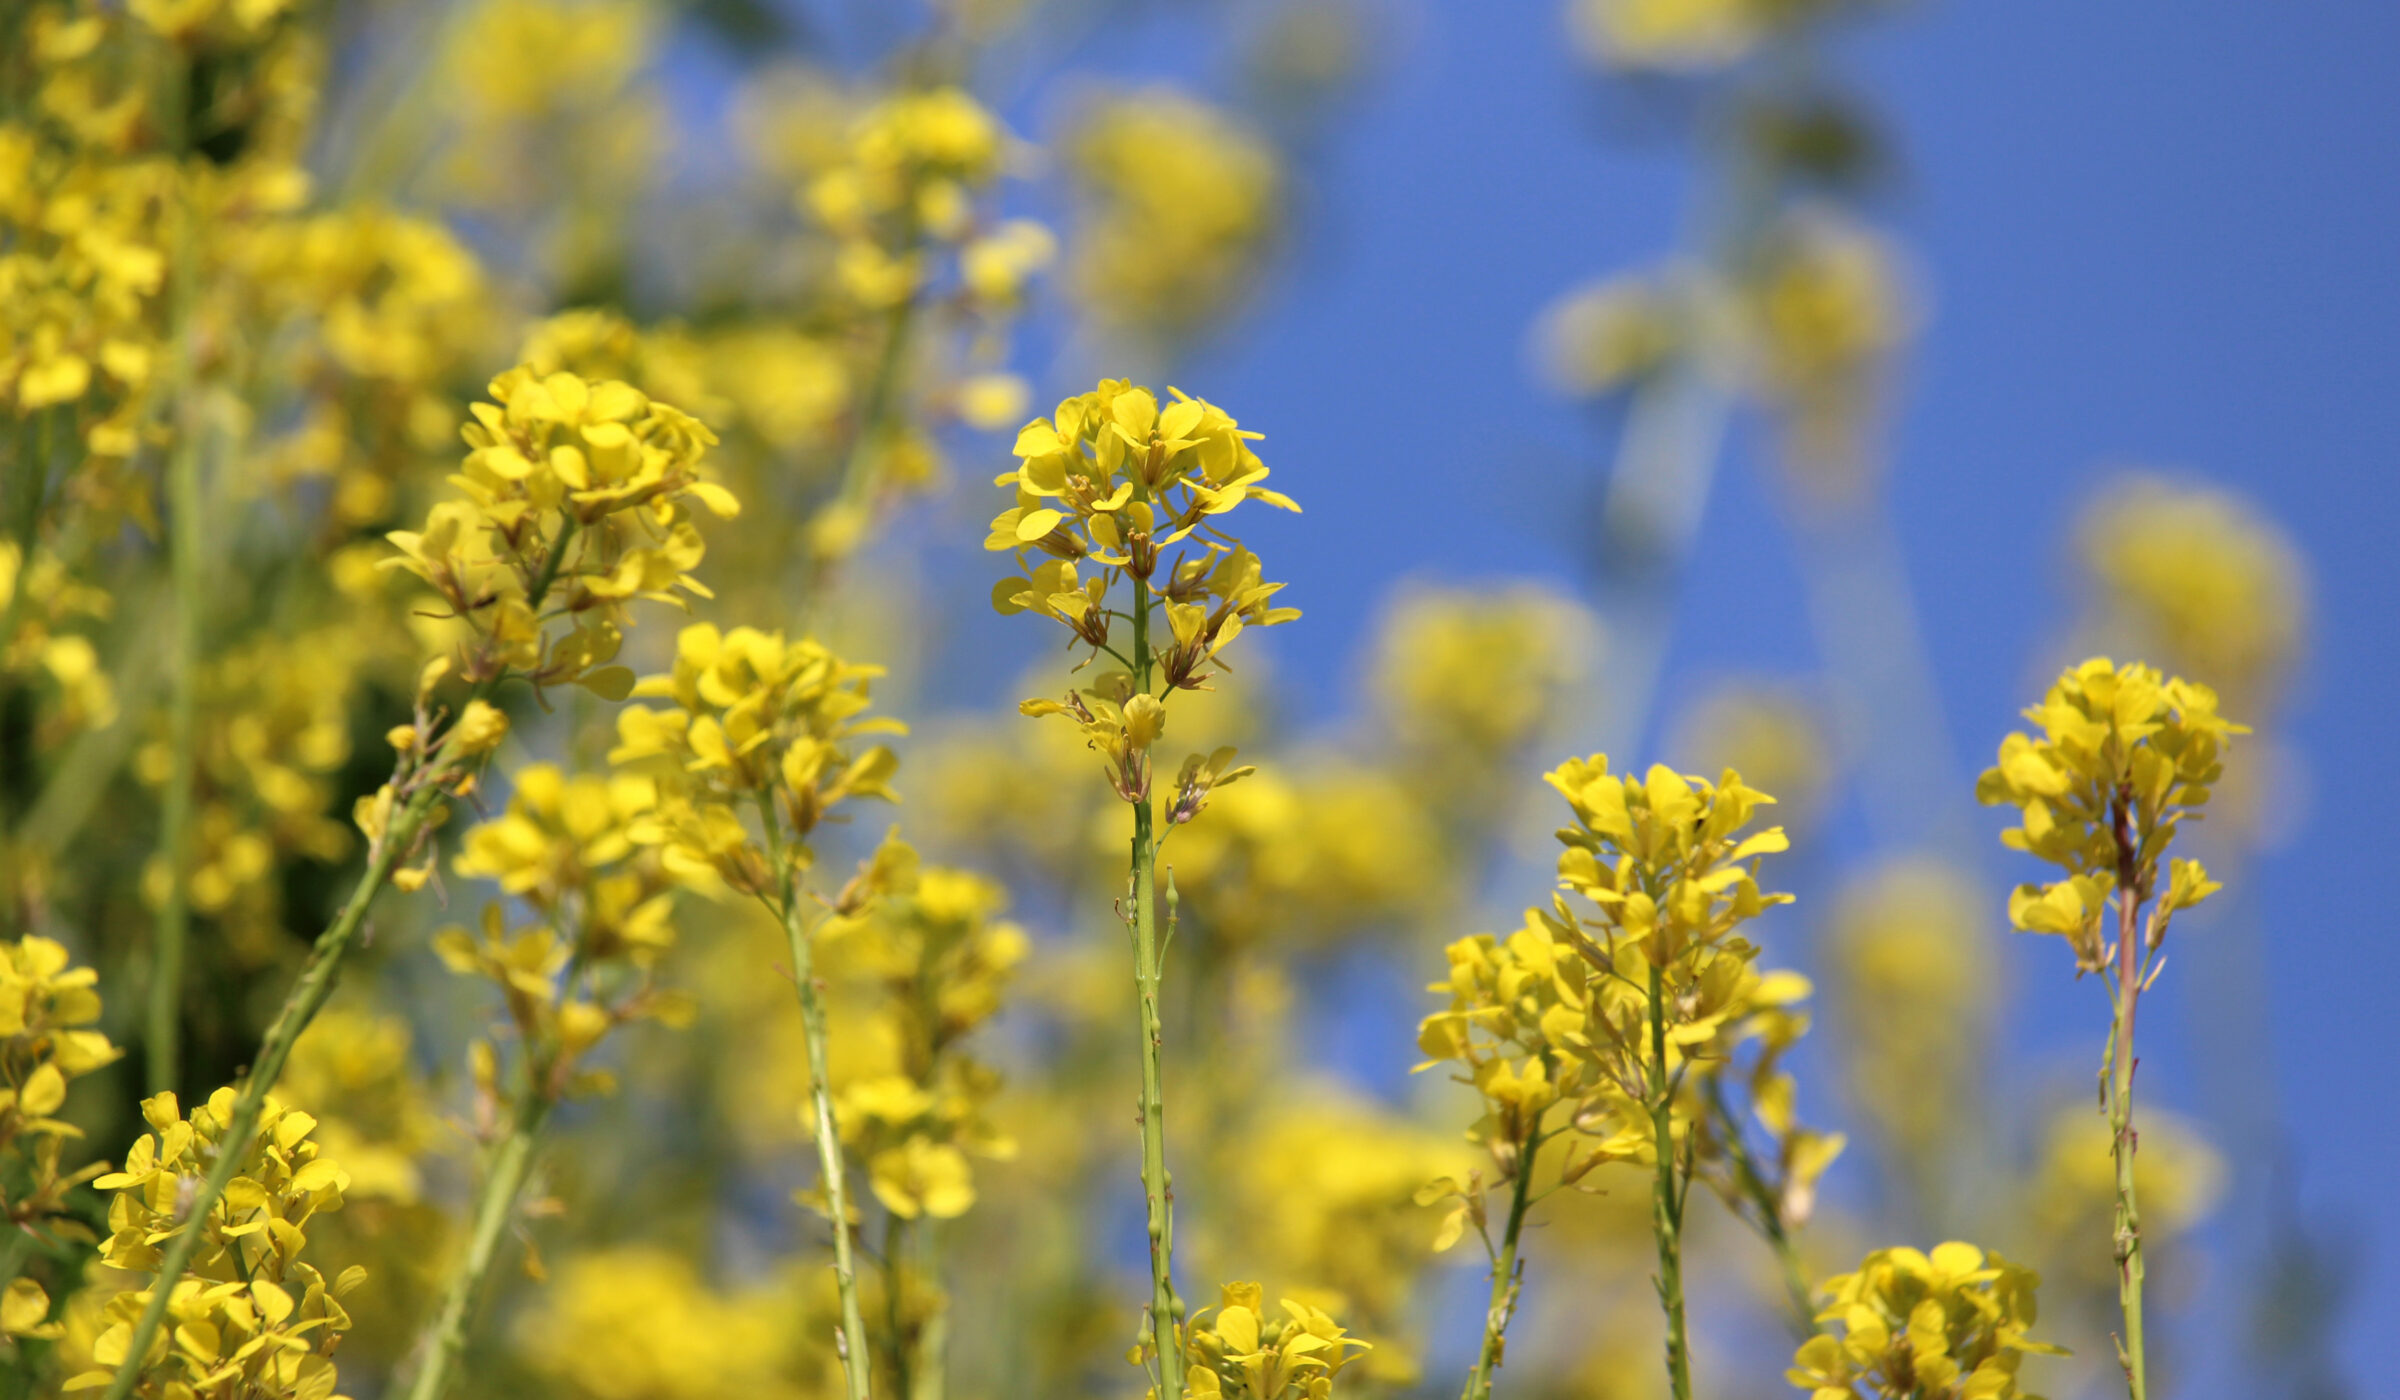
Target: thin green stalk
{"type": "Point", "coordinates": [1666, 1202]}
{"type": "Point", "coordinates": [495, 1207]}
{"type": "Point", "coordinates": [931, 1374]}
{"type": "Point", "coordinates": [1158, 1187]}
{"type": "Point", "coordinates": [300, 1006]}
{"type": "Point", "coordinates": [1508, 1275]}
{"type": "Point", "coordinates": [851, 1341]}
{"type": "Point", "coordinates": [2122, 1139]}
{"type": "Point", "coordinates": [1770, 1223]}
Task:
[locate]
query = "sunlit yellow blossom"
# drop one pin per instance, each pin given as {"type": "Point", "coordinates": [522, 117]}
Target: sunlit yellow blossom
{"type": "Point", "coordinates": [756, 719]}
{"type": "Point", "coordinates": [2125, 755]}
{"type": "Point", "coordinates": [571, 497]}
{"type": "Point", "coordinates": [1950, 1325]}
{"type": "Point", "coordinates": [248, 1301]}
{"type": "Point", "coordinates": [1239, 1349]}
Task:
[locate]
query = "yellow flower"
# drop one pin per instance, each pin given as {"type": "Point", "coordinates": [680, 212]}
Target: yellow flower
{"type": "Point", "coordinates": [756, 717]}
{"type": "Point", "coordinates": [249, 1309]}
{"type": "Point", "coordinates": [1240, 1350]}
{"type": "Point", "coordinates": [1950, 1325]}
{"type": "Point", "coordinates": [2124, 756]}
{"type": "Point", "coordinates": [571, 495]}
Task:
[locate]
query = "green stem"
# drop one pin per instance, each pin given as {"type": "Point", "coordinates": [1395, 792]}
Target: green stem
{"type": "Point", "coordinates": [851, 1341]}
{"type": "Point", "coordinates": [933, 1340]}
{"type": "Point", "coordinates": [300, 1006]}
{"type": "Point", "coordinates": [1508, 1275]}
{"type": "Point", "coordinates": [2127, 1230]}
{"type": "Point", "coordinates": [1158, 1189]}
{"type": "Point", "coordinates": [1666, 1203]}
{"type": "Point", "coordinates": [495, 1207]}
{"type": "Point", "coordinates": [1770, 1223]}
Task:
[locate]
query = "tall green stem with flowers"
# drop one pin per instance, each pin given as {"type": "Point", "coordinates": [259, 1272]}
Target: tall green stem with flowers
{"type": "Point", "coordinates": [1111, 480]}
{"type": "Point", "coordinates": [513, 544]}
{"type": "Point", "coordinates": [1664, 861]}
{"type": "Point", "coordinates": [760, 726]}
{"type": "Point", "coordinates": [2125, 755]}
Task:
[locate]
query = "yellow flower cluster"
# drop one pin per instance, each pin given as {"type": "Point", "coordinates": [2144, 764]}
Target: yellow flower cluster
{"type": "Point", "coordinates": [250, 1316]}
{"type": "Point", "coordinates": [758, 722]}
{"type": "Point", "coordinates": [1177, 205]}
{"type": "Point", "coordinates": [2124, 756]}
{"type": "Point", "coordinates": [567, 848]}
{"type": "Point", "coordinates": [1113, 479]}
{"type": "Point", "coordinates": [909, 172]}
{"type": "Point", "coordinates": [46, 1009]}
{"type": "Point", "coordinates": [1661, 855]}
{"type": "Point", "coordinates": [942, 959]}
{"type": "Point", "coordinates": [1242, 1352]}
{"type": "Point", "coordinates": [1515, 1024]}
{"type": "Point", "coordinates": [570, 504]}
{"type": "Point", "coordinates": [1950, 1325]}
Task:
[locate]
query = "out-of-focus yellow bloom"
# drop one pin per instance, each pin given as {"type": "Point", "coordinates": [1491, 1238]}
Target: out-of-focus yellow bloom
{"type": "Point", "coordinates": [941, 958]}
{"type": "Point", "coordinates": [1912, 976]}
{"type": "Point", "coordinates": [1469, 678]}
{"type": "Point", "coordinates": [1177, 204]}
{"type": "Point", "coordinates": [351, 1069]}
{"type": "Point", "coordinates": [1619, 332]}
{"type": "Point", "coordinates": [249, 1310]}
{"type": "Point", "coordinates": [1672, 35]}
{"type": "Point", "coordinates": [2201, 575]}
{"type": "Point", "coordinates": [1828, 309]}
{"type": "Point", "coordinates": [1240, 1350]}
{"type": "Point", "coordinates": [63, 666]}
{"type": "Point", "coordinates": [2124, 756]}
{"type": "Point", "coordinates": [639, 1323]}
{"type": "Point", "coordinates": [2066, 1200]}
{"type": "Point", "coordinates": [1324, 1188]}
{"type": "Point", "coordinates": [1950, 1325]}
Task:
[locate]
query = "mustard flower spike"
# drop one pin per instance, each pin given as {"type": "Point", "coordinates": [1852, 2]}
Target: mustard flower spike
{"type": "Point", "coordinates": [248, 1308]}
